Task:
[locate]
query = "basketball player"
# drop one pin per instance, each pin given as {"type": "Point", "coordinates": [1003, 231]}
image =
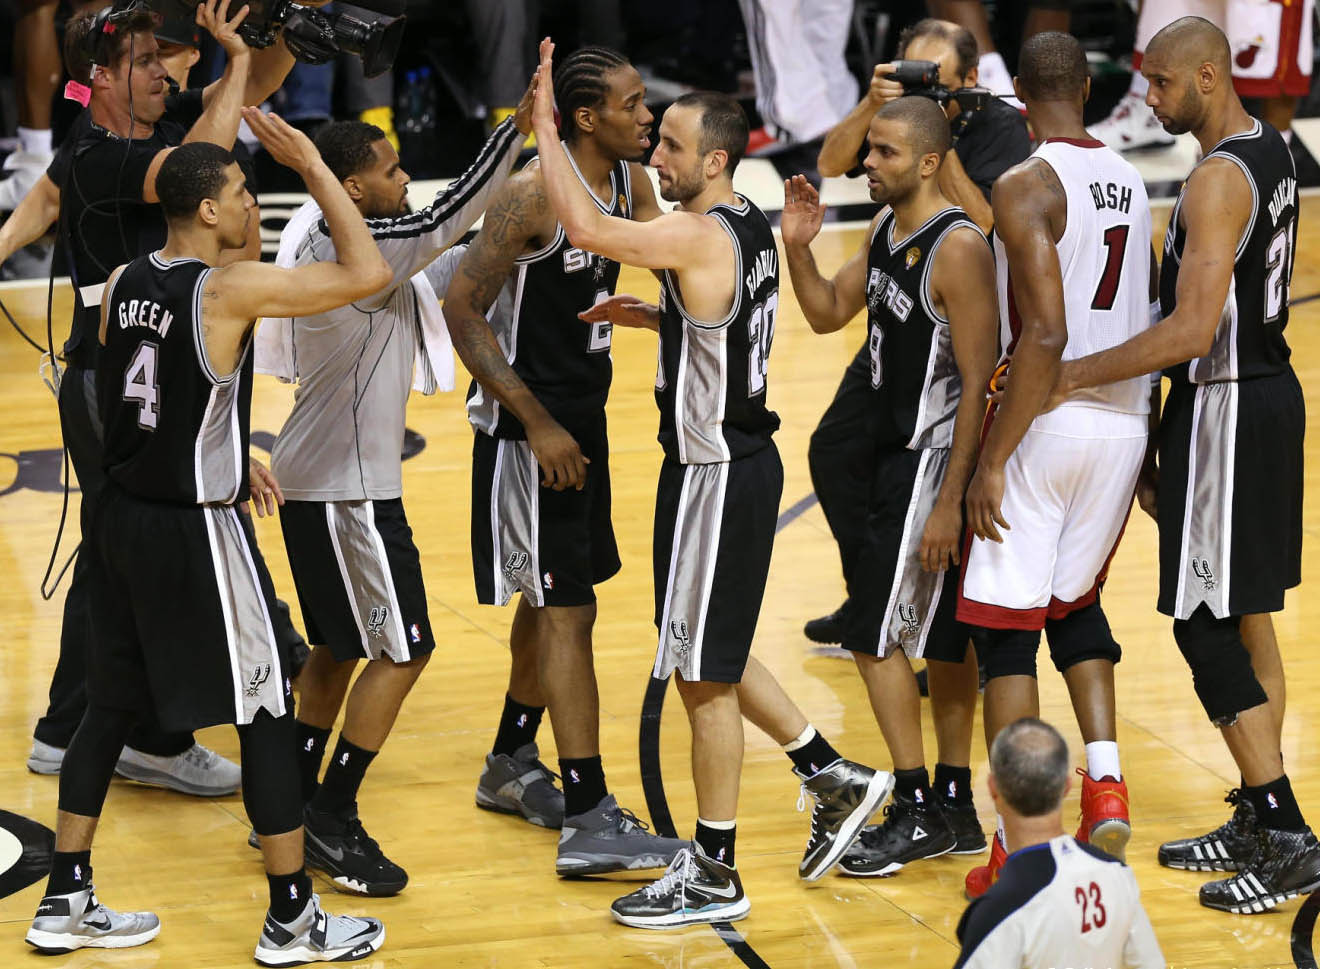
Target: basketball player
{"type": "Point", "coordinates": [538, 400]}
{"type": "Point", "coordinates": [1071, 231]}
{"type": "Point", "coordinates": [1230, 450]}
{"type": "Point", "coordinates": [1059, 901]}
{"type": "Point", "coordinates": [719, 490]}
{"type": "Point", "coordinates": [174, 376]}
{"type": "Point", "coordinates": [926, 277]}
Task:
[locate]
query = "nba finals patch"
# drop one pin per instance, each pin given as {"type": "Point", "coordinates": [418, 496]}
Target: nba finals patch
{"type": "Point", "coordinates": [911, 256]}
{"type": "Point", "coordinates": [623, 205]}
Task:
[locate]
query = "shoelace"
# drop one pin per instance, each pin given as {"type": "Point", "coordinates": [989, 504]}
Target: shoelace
{"type": "Point", "coordinates": [628, 821]}
{"type": "Point", "coordinates": [202, 757]}
{"type": "Point", "coordinates": [357, 833]}
{"type": "Point", "coordinates": [678, 872]}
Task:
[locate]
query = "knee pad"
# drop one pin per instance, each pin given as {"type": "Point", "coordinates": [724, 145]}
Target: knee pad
{"type": "Point", "coordinates": [90, 759]}
{"type": "Point", "coordinates": [1010, 652]}
{"type": "Point", "coordinates": [1221, 669]}
{"type": "Point", "coordinates": [272, 791]}
{"type": "Point", "coordinates": [1080, 636]}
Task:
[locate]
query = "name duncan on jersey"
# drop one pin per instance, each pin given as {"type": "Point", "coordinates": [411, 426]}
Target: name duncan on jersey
{"type": "Point", "coordinates": [766, 264]}
{"type": "Point", "coordinates": [144, 312]}
{"type": "Point", "coordinates": [1285, 194]}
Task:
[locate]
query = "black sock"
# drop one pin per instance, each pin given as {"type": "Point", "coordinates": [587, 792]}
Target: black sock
{"type": "Point", "coordinates": [717, 843]}
{"type": "Point", "coordinates": [311, 750]}
{"type": "Point", "coordinates": [584, 784]}
{"type": "Point", "coordinates": [813, 756]}
{"type": "Point", "coordinates": [914, 785]}
{"type": "Point", "coordinates": [1275, 805]}
{"type": "Point", "coordinates": [337, 794]}
{"type": "Point", "coordinates": [953, 785]}
{"type": "Point", "coordinates": [289, 894]}
{"type": "Point", "coordinates": [70, 871]}
{"type": "Point", "coordinates": [518, 725]}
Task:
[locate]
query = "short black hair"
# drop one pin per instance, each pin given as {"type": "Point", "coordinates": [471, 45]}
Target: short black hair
{"type": "Point", "coordinates": [579, 82]}
{"type": "Point", "coordinates": [345, 146]}
{"type": "Point", "coordinates": [1052, 67]}
{"type": "Point", "coordinates": [81, 50]}
{"type": "Point", "coordinates": [1029, 761]}
{"type": "Point", "coordinates": [723, 124]}
{"type": "Point", "coordinates": [962, 40]}
{"type": "Point", "coordinates": [189, 174]}
{"type": "Point", "coordinates": [927, 124]}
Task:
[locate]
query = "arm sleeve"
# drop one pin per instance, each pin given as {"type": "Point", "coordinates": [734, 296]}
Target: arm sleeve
{"type": "Point", "coordinates": [410, 243]}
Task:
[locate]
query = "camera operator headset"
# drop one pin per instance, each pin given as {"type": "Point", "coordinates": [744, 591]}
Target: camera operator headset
{"type": "Point", "coordinates": [990, 137]}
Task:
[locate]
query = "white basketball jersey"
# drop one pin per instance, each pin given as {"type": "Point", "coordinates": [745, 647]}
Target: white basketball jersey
{"type": "Point", "coordinates": [1104, 256]}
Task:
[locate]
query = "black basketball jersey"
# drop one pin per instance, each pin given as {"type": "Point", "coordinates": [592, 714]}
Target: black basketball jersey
{"type": "Point", "coordinates": [1249, 340]}
{"type": "Point", "coordinates": [914, 376]}
{"type": "Point", "coordinates": [175, 430]}
{"type": "Point", "coordinates": [711, 380]}
{"type": "Point", "coordinates": [562, 360]}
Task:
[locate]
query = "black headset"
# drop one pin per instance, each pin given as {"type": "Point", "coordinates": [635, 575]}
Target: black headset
{"type": "Point", "coordinates": [108, 20]}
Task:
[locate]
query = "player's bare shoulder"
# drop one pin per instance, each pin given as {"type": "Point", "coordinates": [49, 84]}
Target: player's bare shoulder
{"type": "Point", "coordinates": [520, 212]}
{"type": "Point", "coordinates": [1031, 181]}
{"type": "Point", "coordinates": [1216, 189]}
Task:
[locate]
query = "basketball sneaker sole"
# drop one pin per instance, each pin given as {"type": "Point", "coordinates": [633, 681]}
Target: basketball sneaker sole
{"type": "Point", "coordinates": [1112, 837]}
{"type": "Point", "coordinates": [732, 912]}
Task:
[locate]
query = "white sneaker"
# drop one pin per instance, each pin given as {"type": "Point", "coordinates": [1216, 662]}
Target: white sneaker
{"type": "Point", "coordinates": [198, 771]}
{"type": "Point", "coordinates": [25, 168]}
{"type": "Point", "coordinates": [45, 759]}
{"type": "Point", "coordinates": [76, 921]}
{"type": "Point", "coordinates": [1131, 125]}
{"type": "Point", "coordinates": [317, 936]}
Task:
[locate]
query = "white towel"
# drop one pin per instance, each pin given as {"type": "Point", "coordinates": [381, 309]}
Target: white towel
{"type": "Point", "coordinates": [434, 369]}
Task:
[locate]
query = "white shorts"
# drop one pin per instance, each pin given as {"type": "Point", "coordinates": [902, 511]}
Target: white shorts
{"type": "Point", "coordinates": [1066, 500]}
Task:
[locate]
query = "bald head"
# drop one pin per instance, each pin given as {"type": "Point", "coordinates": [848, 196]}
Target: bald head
{"type": "Point", "coordinates": [1029, 761]}
{"type": "Point", "coordinates": [1189, 42]}
{"type": "Point", "coordinates": [926, 123]}
{"type": "Point", "coordinates": [1052, 67]}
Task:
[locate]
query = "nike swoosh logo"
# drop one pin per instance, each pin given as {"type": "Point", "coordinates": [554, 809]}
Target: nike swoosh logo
{"type": "Point", "coordinates": [102, 926]}
{"type": "Point", "coordinates": [728, 891]}
{"type": "Point", "coordinates": [335, 854]}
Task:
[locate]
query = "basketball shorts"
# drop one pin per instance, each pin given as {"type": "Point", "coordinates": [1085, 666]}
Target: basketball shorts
{"type": "Point", "coordinates": [897, 604]}
{"type": "Point", "coordinates": [359, 578]}
{"type": "Point", "coordinates": [1066, 500]}
{"type": "Point", "coordinates": [1230, 498]}
{"type": "Point", "coordinates": [1271, 45]}
{"type": "Point", "coordinates": [552, 546]}
{"type": "Point", "coordinates": [714, 532]}
{"type": "Point", "coordinates": [183, 612]}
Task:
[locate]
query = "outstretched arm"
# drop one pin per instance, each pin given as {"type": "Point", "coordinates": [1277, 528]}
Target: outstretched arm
{"type": "Point", "coordinates": [838, 153]}
{"type": "Point", "coordinates": [33, 217]}
{"type": "Point", "coordinates": [828, 304]}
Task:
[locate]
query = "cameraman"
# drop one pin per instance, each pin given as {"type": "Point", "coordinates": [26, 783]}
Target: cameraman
{"type": "Point", "coordinates": [102, 185]}
{"type": "Point", "coordinates": [986, 144]}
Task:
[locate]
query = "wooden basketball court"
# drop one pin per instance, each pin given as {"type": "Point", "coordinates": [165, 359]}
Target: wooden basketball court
{"type": "Point", "coordinates": [483, 890]}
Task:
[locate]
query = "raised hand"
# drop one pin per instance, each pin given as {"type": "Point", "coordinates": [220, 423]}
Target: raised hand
{"type": "Point", "coordinates": [211, 17]}
{"type": "Point", "coordinates": [623, 310]}
{"type": "Point", "coordinates": [543, 95]}
{"type": "Point", "coordinates": [883, 87]}
{"type": "Point", "coordinates": [286, 144]}
{"type": "Point", "coordinates": [522, 117]}
{"type": "Point", "coordinates": [803, 212]}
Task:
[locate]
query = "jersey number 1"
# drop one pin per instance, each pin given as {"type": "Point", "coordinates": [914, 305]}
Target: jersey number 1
{"type": "Point", "coordinates": [140, 385]}
{"type": "Point", "coordinates": [1116, 238]}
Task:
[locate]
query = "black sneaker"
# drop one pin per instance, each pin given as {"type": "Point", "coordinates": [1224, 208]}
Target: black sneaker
{"type": "Point", "coordinates": [343, 850]}
{"type": "Point", "coordinates": [966, 828]}
{"type": "Point", "coordinates": [910, 832]}
{"type": "Point", "coordinates": [1284, 865]}
{"type": "Point", "coordinates": [694, 889]}
{"type": "Point", "coordinates": [1225, 848]}
{"type": "Point", "coordinates": [828, 630]}
{"type": "Point", "coordinates": [846, 795]}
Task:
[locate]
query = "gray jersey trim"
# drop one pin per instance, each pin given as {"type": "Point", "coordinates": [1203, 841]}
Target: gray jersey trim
{"type": "Point", "coordinates": [364, 568]}
{"type": "Point", "coordinates": [672, 281]}
{"type": "Point", "coordinates": [1207, 530]}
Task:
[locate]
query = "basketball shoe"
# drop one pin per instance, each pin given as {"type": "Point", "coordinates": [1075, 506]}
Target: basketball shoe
{"type": "Point", "coordinates": [1131, 125]}
{"type": "Point", "coordinates": [521, 784]}
{"type": "Point", "coordinates": [198, 771]}
{"type": "Point", "coordinates": [610, 838]}
{"type": "Point", "coordinates": [316, 936]}
{"type": "Point", "coordinates": [1223, 849]}
{"type": "Point", "coordinates": [342, 849]}
{"type": "Point", "coordinates": [966, 828]}
{"type": "Point", "coordinates": [694, 889]}
{"type": "Point", "coordinates": [1105, 822]}
{"type": "Point", "coordinates": [910, 832]}
{"type": "Point", "coordinates": [64, 923]}
{"type": "Point", "coordinates": [846, 795]}
{"type": "Point", "coordinates": [1283, 865]}
{"type": "Point", "coordinates": [980, 878]}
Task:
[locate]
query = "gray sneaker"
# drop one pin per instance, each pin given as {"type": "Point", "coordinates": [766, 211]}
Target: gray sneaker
{"type": "Point", "coordinates": [64, 923]}
{"type": "Point", "coordinates": [608, 838]}
{"type": "Point", "coordinates": [45, 759]}
{"type": "Point", "coordinates": [315, 936]}
{"type": "Point", "coordinates": [198, 771]}
{"type": "Point", "coordinates": [521, 784]}
{"type": "Point", "coordinates": [846, 795]}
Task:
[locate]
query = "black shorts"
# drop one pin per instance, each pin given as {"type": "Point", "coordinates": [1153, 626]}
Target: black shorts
{"type": "Point", "coordinates": [552, 546]}
{"type": "Point", "coordinates": [183, 611]}
{"type": "Point", "coordinates": [714, 532]}
{"type": "Point", "coordinates": [1230, 495]}
{"type": "Point", "coordinates": [896, 603]}
{"type": "Point", "coordinates": [359, 578]}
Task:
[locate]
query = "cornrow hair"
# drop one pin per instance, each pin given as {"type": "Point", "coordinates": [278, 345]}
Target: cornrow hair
{"type": "Point", "coordinates": [580, 83]}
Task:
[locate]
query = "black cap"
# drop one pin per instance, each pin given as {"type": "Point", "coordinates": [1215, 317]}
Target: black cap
{"type": "Point", "coordinates": [178, 30]}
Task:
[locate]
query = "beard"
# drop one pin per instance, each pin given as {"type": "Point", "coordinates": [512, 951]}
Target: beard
{"type": "Point", "coordinates": [682, 188]}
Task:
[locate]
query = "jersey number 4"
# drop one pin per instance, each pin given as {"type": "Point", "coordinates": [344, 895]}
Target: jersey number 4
{"type": "Point", "coordinates": [1116, 238]}
{"type": "Point", "coordinates": [1093, 911]}
{"type": "Point", "coordinates": [140, 385]}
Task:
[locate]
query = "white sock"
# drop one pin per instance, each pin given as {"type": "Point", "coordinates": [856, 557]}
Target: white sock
{"type": "Point", "coordinates": [719, 825]}
{"type": "Point", "coordinates": [35, 140]}
{"type": "Point", "coordinates": [1139, 86]}
{"type": "Point", "coordinates": [802, 739]}
{"type": "Point", "coordinates": [1102, 760]}
{"type": "Point", "coordinates": [992, 73]}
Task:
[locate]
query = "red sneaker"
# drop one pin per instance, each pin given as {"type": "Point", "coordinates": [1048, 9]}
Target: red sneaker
{"type": "Point", "coordinates": [980, 878]}
{"type": "Point", "coordinates": [1105, 821]}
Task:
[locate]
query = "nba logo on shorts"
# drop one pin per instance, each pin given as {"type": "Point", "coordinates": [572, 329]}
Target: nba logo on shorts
{"type": "Point", "coordinates": [414, 633]}
{"type": "Point", "coordinates": [1273, 802]}
{"type": "Point", "coordinates": [376, 619]}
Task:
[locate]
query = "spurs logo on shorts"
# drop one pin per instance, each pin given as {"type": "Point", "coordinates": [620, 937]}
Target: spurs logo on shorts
{"type": "Point", "coordinates": [907, 612]}
{"type": "Point", "coordinates": [260, 674]}
{"type": "Point", "coordinates": [376, 619]}
{"type": "Point", "coordinates": [678, 629]}
{"type": "Point", "coordinates": [1202, 570]}
{"type": "Point", "coordinates": [515, 563]}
